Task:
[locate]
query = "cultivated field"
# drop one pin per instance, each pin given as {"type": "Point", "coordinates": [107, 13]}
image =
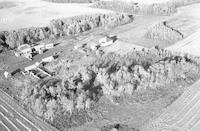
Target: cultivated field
{"type": "Point", "coordinates": [182, 115]}
{"type": "Point", "coordinates": [189, 45]}
{"type": "Point", "coordinates": [27, 13]}
{"type": "Point", "coordinates": [188, 23]}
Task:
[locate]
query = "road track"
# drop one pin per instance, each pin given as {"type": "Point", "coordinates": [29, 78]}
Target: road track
{"type": "Point", "coordinates": [14, 118]}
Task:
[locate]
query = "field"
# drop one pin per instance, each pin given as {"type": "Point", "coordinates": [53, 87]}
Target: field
{"type": "Point", "coordinates": [188, 23]}
{"type": "Point", "coordinates": [182, 115]}
{"type": "Point", "coordinates": [38, 13]}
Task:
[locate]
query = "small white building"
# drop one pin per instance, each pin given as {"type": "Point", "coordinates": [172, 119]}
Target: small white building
{"type": "Point", "coordinates": [28, 56]}
{"type": "Point", "coordinates": [106, 41]}
{"type": "Point", "coordinates": [48, 59]}
{"type": "Point", "coordinates": [6, 74]}
{"type": "Point", "coordinates": [39, 48]}
{"type": "Point", "coordinates": [31, 67]}
{"type": "Point", "coordinates": [49, 46]}
{"type": "Point", "coordinates": [93, 47]}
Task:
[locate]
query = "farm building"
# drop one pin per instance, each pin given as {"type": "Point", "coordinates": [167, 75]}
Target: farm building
{"type": "Point", "coordinates": [24, 50]}
{"type": "Point", "coordinates": [8, 74]}
{"type": "Point", "coordinates": [48, 59]}
{"type": "Point", "coordinates": [106, 41]}
{"type": "Point", "coordinates": [31, 67]}
{"type": "Point", "coordinates": [39, 48]}
{"type": "Point", "coordinates": [49, 46]}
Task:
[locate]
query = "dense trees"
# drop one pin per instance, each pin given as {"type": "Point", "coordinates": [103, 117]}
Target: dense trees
{"type": "Point", "coordinates": [163, 32]}
{"type": "Point", "coordinates": [166, 8]}
{"type": "Point", "coordinates": [135, 8]}
{"type": "Point", "coordinates": [64, 27]}
{"type": "Point", "coordinates": [112, 75]}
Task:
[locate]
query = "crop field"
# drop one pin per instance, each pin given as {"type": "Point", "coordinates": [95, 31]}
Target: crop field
{"type": "Point", "coordinates": [183, 114]}
{"type": "Point", "coordinates": [189, 45]}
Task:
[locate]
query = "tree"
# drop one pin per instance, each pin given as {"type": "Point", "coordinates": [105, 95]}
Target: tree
{"type": "Point", "coordinates": [67, 105]}
{"type": "Point", "coordinates": [51, 109]}
{"type": "Point", "coordinates": [38, 107]}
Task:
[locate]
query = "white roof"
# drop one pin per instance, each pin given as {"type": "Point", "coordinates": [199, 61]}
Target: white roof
{"type": "Point", "coordinates": [24, 47]}
{"type": "Point", "coordinates": [31, 67]}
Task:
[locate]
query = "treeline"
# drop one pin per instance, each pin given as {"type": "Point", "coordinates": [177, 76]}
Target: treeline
{"type": "Point", "coordinates": [163, 32]}
{"type": "Point", "coordinates": [166, 8]}
{"type": "Point", "coordinates": [76, 91]}
{"type": "Point", "coordinates": [72, 1]}
{"type": "Point", "coordinates": [63, 27]}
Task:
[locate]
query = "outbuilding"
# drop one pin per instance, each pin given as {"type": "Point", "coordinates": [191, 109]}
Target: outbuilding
{"type": "Point", "coordinates": [49, 46]}
{"type": "Point", "coordinates": [48, 59]}
{"type": "Point", "coordinates": [39, 48]}
{"type": "Point", "coordinates": [31, 67]}
{"type": "Point", "coordinates": [106, 41]}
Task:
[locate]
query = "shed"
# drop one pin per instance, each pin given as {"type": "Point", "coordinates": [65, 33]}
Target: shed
{"type": "Point", "coordinates": [48, 59]}
{"type": "Point", "coordinates": [49, 46]}
{"type": "Point", "coordinates": [106, 41]}
{"type": "Point", "coordinates": [31, 67]}
{"type": "Point", "coordinates": [6, 74]}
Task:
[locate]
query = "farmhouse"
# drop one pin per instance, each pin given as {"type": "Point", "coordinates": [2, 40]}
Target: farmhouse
{"type": "Point", "coordinates": [25, 49]}
{"type": "Point", "coordinates": [106, 41]}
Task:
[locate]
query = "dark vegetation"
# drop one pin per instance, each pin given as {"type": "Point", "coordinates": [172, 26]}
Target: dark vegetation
{"type": "Point", "coordinates": [136, 8]}
{"type": "Point", "coordinates": [118, 127]}
{"type": "Point", "coordinates": [151, 75]}
{"type": "Point", "coordinates": [72, 1]}
{"type": "Point", "coordinates": [62, 27]}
